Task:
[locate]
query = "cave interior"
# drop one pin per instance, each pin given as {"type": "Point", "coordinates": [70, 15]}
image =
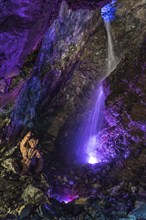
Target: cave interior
{"type": "Point", "coordinates": [73, 73]}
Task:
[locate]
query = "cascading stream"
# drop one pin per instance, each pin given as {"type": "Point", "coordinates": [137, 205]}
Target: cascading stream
{"type": "Point", "coordinates": [88, 149]}
{"type": "Point", "coordinates": [94, 127]}
{"type": "Point", "coordinates": [88, 143]}
{"type": "Point", "coordinates": [111, 60]}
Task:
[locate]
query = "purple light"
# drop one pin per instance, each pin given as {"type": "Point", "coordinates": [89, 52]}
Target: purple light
{"type": "Point", "coordinates": [89, 149]}
{"type": "Point", "coordinates": [67, 199]}
{"type": "Point", "coordinates": [63, 198]}
{"type": "Point", "coordinates": [93, 158]}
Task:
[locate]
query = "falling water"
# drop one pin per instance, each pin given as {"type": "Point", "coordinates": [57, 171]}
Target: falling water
{"type": "Point", "coordinates": [86, 140]}
{"type": "Point", "coordinates": [90, 148]}
{"type": "Point", "coordinates": [96, 120]}
{"type": "Point", "coordinates": [111, 60]}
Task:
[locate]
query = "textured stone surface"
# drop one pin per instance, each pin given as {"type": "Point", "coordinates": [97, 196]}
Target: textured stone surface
{"type": "Point", "coordinates": [112, 199]}
{"type": "Point", "coordinates": [128, 31]}
{"type": "Point", "coordinates": [33, 195]}
{"type": "Point", "coordinates": [10, 165]}
{"type": "Point", "coordinates": [104, 191]}
{"type": "Point", "coordinates": [23, 26]}
{"type": "Point", "coordinates": [60, 50]}
{"type": "Point", "coordinates": [125, 108]}
{"type": "Point", "coordinates": [20, 22]}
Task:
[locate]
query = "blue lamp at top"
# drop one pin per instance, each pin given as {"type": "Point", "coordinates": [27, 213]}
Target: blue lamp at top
{"type": "Point", "coordinates": [108, 11]}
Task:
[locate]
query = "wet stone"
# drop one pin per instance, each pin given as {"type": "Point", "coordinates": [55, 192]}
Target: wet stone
{"type": "Point", "coordinates": [33, 195]}
{"type": "Point", "coordinates": [25, 211]}
{"type": "Point", "coordinates": [10, 217]}
{"type": "Point", "coordinates": [139, 213]}
{"type": "Point", "coordinates": [11, 165]}
{"type": "Point", "coordinates": [46, 211]}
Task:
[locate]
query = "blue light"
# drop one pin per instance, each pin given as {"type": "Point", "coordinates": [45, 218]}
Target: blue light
{"type": "Point", "coordinates": [108, 11]}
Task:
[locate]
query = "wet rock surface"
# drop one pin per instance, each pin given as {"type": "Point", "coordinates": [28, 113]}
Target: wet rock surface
{"type": "Point", "coordinates": [21, 42]}
{"type": "Point", "coordinates": [20, 23]}
{"type": "Point", "coordinates": [115, 190]}
{"type": "Point", "coordinates": [60, 50]}
{"type": "Point", "coordinates": [126, 117]}
{"type": "Point", "coordinates": [79, 192]}
{"type": "Point", "coordinates": [128, 32]}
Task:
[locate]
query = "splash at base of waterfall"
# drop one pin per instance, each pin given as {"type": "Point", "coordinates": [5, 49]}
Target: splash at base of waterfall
{"type": "Point", "coordinates": [92, 146]}
{"type": "Point", "coordinates": [88, 139]}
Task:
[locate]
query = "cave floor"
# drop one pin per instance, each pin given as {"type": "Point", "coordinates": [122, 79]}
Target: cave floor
{"type": "Point", "coordinates": [71, 193]}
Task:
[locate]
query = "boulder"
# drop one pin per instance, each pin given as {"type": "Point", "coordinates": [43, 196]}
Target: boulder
{"type": "Point", "coordinates": [33, 195]}
{"type": "Point", "coordinates": [11, 165]}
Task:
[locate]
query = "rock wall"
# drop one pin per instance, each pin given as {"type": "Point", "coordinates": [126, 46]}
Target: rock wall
{"type": "Point", "coordinates": [125, 110]}
{"type": "Point", "coordinates": [22, 28]}
{"type": "Point", "coordinates": [19, 36]}
{"type": "Point", "coordinates": [58, 105]}
{"type": "Point", "coordinates": [128, 31]}
{"type": "Point", "coordinates": [48, 96]}
{"type": "Point", "coordinates": [23, 25]}
{"type": "Point", "coordinates": [60, 50]}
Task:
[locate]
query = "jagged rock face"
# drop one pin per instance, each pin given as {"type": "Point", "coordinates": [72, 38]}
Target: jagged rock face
{"type": "Point", "coordinates": [125, 108]}
{"type": "Point", "coordinates": [55, 61]}
{"type": "Point", "coordinates": [123, 136]}
{"type": "Point", "coordinates": [60, 49]}
{"type": "Point", "coordinates": [128, 31]}
{"type": "Point", "coordinates": [23, 26]}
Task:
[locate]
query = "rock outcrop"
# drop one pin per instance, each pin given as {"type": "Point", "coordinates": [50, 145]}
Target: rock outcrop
{"type": "Point", "coordinates": [125, 109]}
{"type": "Point", "coordinates": [51, 96]}
{"type": "Point", "coordinates": [128, 32]}
{"type": "Point", "coordinates": [23, 27]}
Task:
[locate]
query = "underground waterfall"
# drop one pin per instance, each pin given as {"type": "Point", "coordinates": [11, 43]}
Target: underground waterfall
{"type": "Point", "coordinates": [88, 141]}
{"type": "Point", "coordinates": [59, 78]}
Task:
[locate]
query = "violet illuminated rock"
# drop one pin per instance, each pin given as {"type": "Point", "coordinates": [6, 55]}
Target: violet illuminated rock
{"type": "Point", "coordinates": [124, 107]}
{"type": "Point", "coordinates": [23, 26]}
{"type": "Point", "coordinates": [69, 121]}
{"type": "Point", "coordinates": [19, 31]}
{"type": "Point", "coordinates": [124, 131]}
{"type": "Point", "coordinates": [60, 49]}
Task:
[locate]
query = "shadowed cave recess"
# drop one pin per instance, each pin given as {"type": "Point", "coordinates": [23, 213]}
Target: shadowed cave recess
{"type": "Point", "coordinates": [74, 73]}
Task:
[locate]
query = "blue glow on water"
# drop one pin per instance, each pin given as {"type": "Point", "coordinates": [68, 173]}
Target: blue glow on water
{"type": "Point", "coordinates": [108, 11]}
